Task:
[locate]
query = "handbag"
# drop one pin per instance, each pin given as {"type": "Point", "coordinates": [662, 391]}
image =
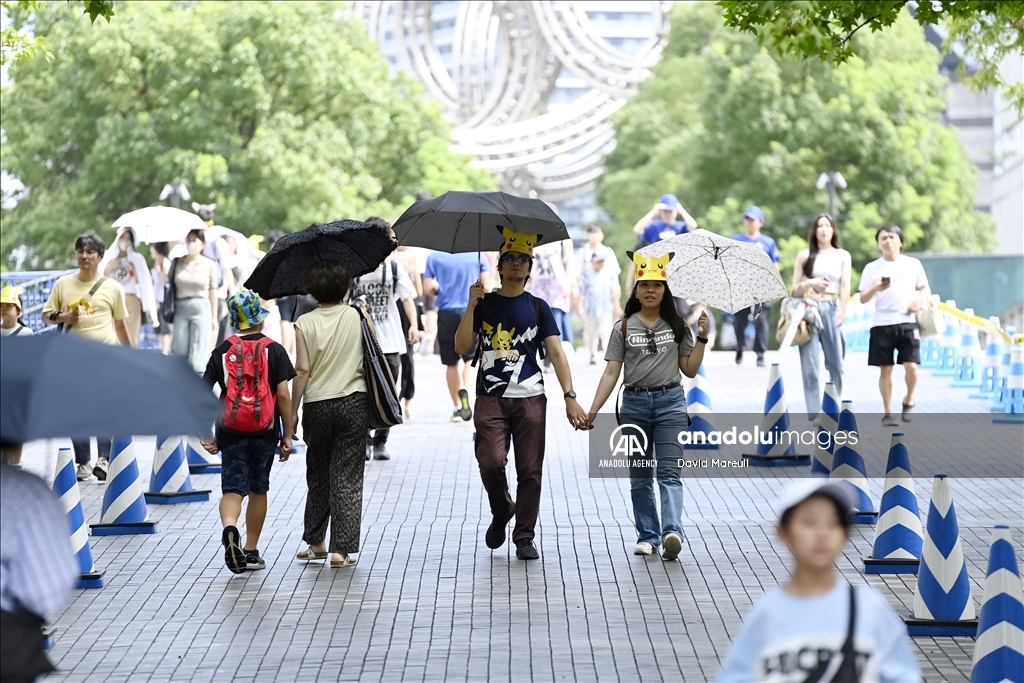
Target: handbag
{"type": "Point", "coordinates": [803, 330]}
{"type": "Point", "coordinates": [384, 411]}
{"type": "Point", "coordinates": [930, 321]}
{"type": "Point", "coordinates": [167, 305]}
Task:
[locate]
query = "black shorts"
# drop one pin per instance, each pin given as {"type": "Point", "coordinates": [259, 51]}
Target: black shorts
{"type": "Point", "coordinates": [447, 324]}
{"type": "Point", "coordinates": [903, 338]}
{"type": "Point", "coordinates": [246, 465]}
{"type": "Point", "coordinates": [286, 307]}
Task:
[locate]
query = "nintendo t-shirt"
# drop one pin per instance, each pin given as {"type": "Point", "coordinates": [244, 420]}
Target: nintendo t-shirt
{"type": "Point", "coordinates": [511, 333]}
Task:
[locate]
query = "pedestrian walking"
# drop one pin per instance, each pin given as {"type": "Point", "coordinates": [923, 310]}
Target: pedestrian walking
{"type": "Point", "coordinates": [329, 363]}
{"type": "Point", "coordinates": [195, 301]}
{"type": "Point", "coordinates": [653, 345]}
{"type": "Point", "coordinates": [160, 253]}
{"type": "Point", "coordinates": [598, 301]}
{"type": "Point", "coordinates": [11, 324]}
{"type": "Point", "coordinates": [91, 305]}
{"type": "Point", "coordinates": [817, 627]}
{"type": "Point", "coordinates": [406, 258]}
{"type": "Point", "coordinates": [448, 277]}
{"type": "Point", "coordinates": [899, 286]}
{"type": "Point", "coordinates": [753, 221]}
{"type": "Point", "coordinates": [510, 399]}
{"type": "Point", "coordinates": [552, 280]}
{"type": "Point", "coordinates": [594, 244]}
{"type": "Point", "coordinates": [385, 290]}
{"type": "Point", "coordinates": [252, 372]}
{"type": "Point", "coordinates": [124, 264]}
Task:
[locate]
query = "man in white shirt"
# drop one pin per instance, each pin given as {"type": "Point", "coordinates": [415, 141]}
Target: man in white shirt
{"type": "Point", "coordinates": [899, 286]}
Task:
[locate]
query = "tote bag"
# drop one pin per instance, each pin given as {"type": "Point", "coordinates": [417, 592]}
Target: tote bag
{"type": "Point", "coordinates": [385, 410]}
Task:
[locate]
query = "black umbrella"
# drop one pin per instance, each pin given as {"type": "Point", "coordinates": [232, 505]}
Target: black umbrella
{"type": "Point", "coordinates": [459, 222]}
{"type": "Point", "coordinates": [360, 247]}
{"type": "Point", "coordinates": [57, 385]}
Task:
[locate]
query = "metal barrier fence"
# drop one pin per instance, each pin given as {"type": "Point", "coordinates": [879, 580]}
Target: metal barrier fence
{"type": "Point", "coordinates": [35, 290]}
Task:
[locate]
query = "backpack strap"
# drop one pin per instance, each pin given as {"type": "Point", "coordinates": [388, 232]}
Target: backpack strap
{"type": "Point", "coordinates": [256, 377]}
{"type": "Point", "coordinates": [394, 276]}
{"type": "Point", "coordinates": [239, 384]}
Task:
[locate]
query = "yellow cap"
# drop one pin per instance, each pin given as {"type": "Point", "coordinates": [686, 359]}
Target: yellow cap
{"type": "Point", "coordinates": [651, 268]}
{"type": "Point", "coordinates": [255, 241]}
{"type": "Point", "coordinates": [517, 241]}
{"type": "Point", "coordinates": [11, 295]}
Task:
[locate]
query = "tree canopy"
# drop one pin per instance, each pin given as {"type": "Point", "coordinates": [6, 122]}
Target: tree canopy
{"type": "Point", "coordinates": [17, 44]}
{"type": "Point", "coordinates": [282, 113]}
{"type": "Point", "coordinates": [723, 123]}
{"type": "Point", "coordinates": [988, 30]}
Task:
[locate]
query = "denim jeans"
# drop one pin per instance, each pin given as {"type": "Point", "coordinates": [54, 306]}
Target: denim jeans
{"type": "Point", "coordinates": [661, 415]}
{"type": "Point", "coordinates": [564, 322]}
{"type": "Point", "coordinates": [830, 340]}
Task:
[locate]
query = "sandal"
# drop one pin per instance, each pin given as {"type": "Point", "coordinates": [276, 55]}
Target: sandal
{"type": "Point", "coordinates": [309, 554]}
{"type": "Point", "coordinates": [347, 562]}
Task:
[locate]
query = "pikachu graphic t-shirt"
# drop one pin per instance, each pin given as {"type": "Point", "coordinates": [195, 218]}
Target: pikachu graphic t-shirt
{"type": "Point", "coordinates": [511, 334]}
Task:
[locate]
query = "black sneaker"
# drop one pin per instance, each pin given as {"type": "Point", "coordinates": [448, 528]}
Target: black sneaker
{"type": "Point", "coordinates": [380, 452]}
{"type": "Point", "coordinates": [526, 550]}
{"type": "Point", "coordinates": [253, 561]}
{"type": "Point", "coordinates": [495, 536]}
{"type": "Point", "coordinates": [465, 412]}
{"type": "Point", "coordinates": [739, 358]}
{"type": "Point", "coordinates": [234, 556]}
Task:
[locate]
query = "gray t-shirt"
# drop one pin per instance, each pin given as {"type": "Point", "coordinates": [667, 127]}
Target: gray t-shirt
{"type": "Point", "coordinates": [641, 367]}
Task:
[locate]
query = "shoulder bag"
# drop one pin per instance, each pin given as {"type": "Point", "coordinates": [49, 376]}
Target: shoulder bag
{"type": "Point", "coordinates": [385, 411]}
{"type": "Point", "coordinates": [167, 305]}
{"type": "Point", "coordinates": [803, 330]}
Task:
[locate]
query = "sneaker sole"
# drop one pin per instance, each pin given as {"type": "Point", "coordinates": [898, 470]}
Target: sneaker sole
{"type": "Point", "coordinates": [234, 556]}
{"type": "Point", "coordinates": [671, 545]}
{"type": "Point", "coordinates": [465, 412]}
{"type": "Point", "coordinates": [99, 474]}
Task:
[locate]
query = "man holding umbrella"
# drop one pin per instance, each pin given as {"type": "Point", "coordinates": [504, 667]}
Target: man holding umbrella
{"type": "Point", "coordinates": [511, 403]}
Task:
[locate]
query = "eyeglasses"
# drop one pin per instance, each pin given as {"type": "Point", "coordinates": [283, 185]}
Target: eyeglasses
{"type": "Point", "coordinates": [86, 251]}
{"type": "Point", "coordinates": [514, 258]}
{"type": "Point", "coordinates": [652, 346]}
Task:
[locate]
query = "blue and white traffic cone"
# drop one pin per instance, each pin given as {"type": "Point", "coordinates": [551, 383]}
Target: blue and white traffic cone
{"type": "Point", "coordinates": [930, 347]}
{"type": "Point", "coordinates": [65, 485]}
{"type": "Point", "coordinates": [898, 539]}
{"type": "Point", "coordinates": [949, 346]}
{"type": "Point", "coordinates": [774, 448]}
{"type": "Point", "coordinates": [828, 423]}
{"type": "Point", "coordinates": [698, 406]}
{"type": "Point", "coordinates": [199, 461]}
{"type": "Point", "coordinates": [848, 465]}
{"type": "Point", "coordinates": [1013, 405]}
{"type": "Point", "coordinates": [968, 362]}
{"type": "Point", "coordinates": [999, 645]}
{"type": "Point", "coordinates": [999, 401]}
{"type": "Point", "coordinates": [170, 482]}
{"type": "Point", "coordinates": [990, 363]}
{"type": "Point", "coordinates": [124, 506]}
{"type": "Point", "coordinates": [942, 600]}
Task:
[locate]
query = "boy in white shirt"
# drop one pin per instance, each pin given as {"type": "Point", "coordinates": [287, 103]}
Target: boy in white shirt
{"type": "Point", "coordinates": [899, 286]}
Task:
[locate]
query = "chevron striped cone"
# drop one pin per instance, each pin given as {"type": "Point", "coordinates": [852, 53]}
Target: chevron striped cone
{"type": "Point", "coordinates": [990, 363]}
{"type": "Point", "coordinates": [848, 465]}
{"type": "Point", "coordinates": [999, 645]}
{"type": "Point", "coordinates": [968, 362]}
{"type": "Point", "coordinates": [124, 507]}
{"type": "Point", "coordinates": [949, 346]}
{"type": "Point", "coordinates": [898, 540]}
{"type": "Point", "coordinates": [930, 346]}
{"type": "Point", "coordinates": [773, 450]}
{"type": "Point", "coordinates": [1013, 405]}
{"type": "Point", "coordinates": [828, 422]}
{"type": "Point", "coordinates": [698, 405]}
{"type": "Point", "coordinates": [65, 485]}
{"type": "Point", "coordinates": [199, 461]}
{"type": "Point", "coordinates": [999, 401]}
{"type": "Point", "coordinates": [942, 601]}
{"type": "Point", "coordinates": [170, 482]}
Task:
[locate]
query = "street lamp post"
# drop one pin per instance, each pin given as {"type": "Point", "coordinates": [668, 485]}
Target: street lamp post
{"type": "Point", "coordinates": [175, 193]}
{"type": "Point", "coordinates": [831, 180]}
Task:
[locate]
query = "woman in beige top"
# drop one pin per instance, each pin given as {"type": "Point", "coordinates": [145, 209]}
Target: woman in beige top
{"type": "Point", "coordinates": [329, 363]}
{"type": "Point", "coordinates": [195, 299]}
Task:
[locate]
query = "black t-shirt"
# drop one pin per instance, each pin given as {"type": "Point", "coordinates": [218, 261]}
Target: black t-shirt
{"type": "Point", "coordinates": [512, 332]}
{"type": "Point", "coordinates": [280, 369]}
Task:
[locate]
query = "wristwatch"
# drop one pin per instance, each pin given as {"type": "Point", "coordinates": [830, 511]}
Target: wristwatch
{"type": "Point", "coordinates": [702, 340]}
{"type": "Point", "coordinates": [569, 394]}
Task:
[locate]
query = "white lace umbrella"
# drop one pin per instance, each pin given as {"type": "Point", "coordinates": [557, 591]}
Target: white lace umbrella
{"type": "Point", "coordinates": [718, 271]}
{"type": "Point", "coordinates": [160, 224]}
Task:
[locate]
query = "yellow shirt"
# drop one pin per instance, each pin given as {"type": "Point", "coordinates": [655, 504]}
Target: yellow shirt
{"type": "Point", "coordinates": [334, 344]}
{"type": "Point", "coordinates": [105, 306]}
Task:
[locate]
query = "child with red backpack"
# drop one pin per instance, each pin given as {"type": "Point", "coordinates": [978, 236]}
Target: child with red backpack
{"type": "Point", "coordinates": [252, 372]}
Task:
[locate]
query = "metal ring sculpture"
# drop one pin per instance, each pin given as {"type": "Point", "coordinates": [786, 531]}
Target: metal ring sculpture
{"type": "Point", "coordinates": [506, 56]}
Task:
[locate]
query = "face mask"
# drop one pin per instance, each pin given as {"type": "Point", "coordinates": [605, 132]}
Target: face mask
{"type": "Point", "coordinates": [126, 244]}
{"type": "Point", "coordinates": [194, 247]}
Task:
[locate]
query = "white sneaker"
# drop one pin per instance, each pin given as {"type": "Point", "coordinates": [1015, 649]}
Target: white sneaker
{"type": "Point", "coordinates": [84, 472]}
{"type": "Point", "coordinates": [643, 548]}
{"type": "Point", "coordinates": [410, 412]}
{"type": "Point", "coordinates": [670, 546]}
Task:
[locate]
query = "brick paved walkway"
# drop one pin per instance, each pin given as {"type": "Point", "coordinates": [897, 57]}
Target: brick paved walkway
{"type": "Point", "coordinates": [428, 601]}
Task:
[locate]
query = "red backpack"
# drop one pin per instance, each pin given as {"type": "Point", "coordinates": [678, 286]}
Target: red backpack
{"type": "Point", "coordinates": [249, 402]}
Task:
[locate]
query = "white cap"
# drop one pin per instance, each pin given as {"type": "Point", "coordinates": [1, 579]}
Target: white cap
{"type": "Point", "coordinates": [801, 490]}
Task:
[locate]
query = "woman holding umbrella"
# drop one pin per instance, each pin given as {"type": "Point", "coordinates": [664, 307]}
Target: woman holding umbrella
{"type": "Point", "coordinates": [653, 344]}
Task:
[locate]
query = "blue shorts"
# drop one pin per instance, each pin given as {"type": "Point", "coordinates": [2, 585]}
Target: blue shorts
{"type": "Point", "coordinates": [245, 465]}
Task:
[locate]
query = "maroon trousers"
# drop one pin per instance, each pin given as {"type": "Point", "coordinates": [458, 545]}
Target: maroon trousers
{"type": "Point", "coordinates": [521, 420]}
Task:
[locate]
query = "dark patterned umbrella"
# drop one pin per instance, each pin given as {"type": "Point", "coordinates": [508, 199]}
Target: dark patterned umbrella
{"type": "Point", "coordinates": [358, 246]}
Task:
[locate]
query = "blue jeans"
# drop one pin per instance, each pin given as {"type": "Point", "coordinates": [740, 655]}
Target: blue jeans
{"type": "Point", "coordinates": [830, 340]}
{"type": "Point", "coordinates": [661, 415]}
{"type": "Point", "coordinates": [564, 322]}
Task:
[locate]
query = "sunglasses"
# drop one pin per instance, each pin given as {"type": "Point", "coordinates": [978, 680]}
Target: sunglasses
{"type": "Point", "coordinates": [514, 258]}
{"type": "Point", "coordinates": [652, 346]}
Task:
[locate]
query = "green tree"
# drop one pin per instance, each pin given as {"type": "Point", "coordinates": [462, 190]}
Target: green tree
{"type": "Point", "coordinates": [16, 44]}
{"type": "Point", "coordinates": [283, 113]}
{"type": "Point", "coordinates": [989, 30]}
{"type": "Point", "coordinates": [723, 123]}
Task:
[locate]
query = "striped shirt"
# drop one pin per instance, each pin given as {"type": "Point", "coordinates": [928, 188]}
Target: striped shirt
{"type": "Point", "coordinates": [37, 568]}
